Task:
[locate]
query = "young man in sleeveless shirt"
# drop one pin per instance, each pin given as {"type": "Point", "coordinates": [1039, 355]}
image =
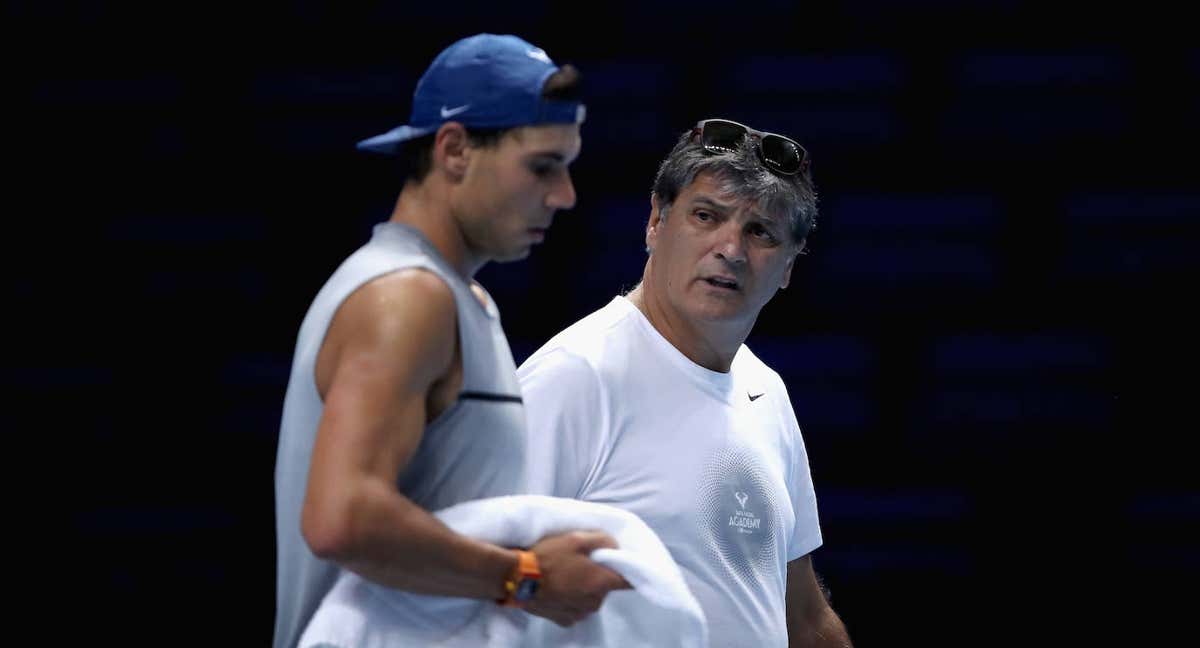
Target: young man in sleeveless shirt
{"type": "Point", "coordinates": [403, 398]}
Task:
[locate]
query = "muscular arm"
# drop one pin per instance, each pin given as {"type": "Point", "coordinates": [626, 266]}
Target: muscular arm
{"type": "Point", "coordinates": [389, 344]}
{"type": "Point", "coordinates": [811, 622]}
{"type": "Point", "coordinates": [389, 349]}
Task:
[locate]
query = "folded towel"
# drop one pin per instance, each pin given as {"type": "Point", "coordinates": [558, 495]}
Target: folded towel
{"type": "Point", "coordinates": [659, 611]}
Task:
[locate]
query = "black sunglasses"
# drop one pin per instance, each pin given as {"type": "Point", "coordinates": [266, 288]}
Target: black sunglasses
{"type": "Point", "coordinates": [783, 155]}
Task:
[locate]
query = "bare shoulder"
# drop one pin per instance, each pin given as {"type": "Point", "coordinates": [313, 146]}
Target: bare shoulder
{"type": "Point", "coordinates": [408, 287]}
{"type": "Point", "coordinates": [404, 319]}
{"type": "Point", "coordinates": [405, 298]}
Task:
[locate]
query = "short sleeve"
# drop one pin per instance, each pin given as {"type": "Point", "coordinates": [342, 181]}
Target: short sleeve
{"type": "Point", "coordinates": [566, 421]}
{"type": "Point", "coordinates": [806, 535]}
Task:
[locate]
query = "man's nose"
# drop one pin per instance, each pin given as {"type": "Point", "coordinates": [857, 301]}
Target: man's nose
{"type": "Point", "coordinates": [562, 195]}
{"type": "Point", "coordinates": [731, 246]}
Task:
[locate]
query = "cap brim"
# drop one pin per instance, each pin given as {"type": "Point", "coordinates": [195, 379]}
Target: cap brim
{"type": "Point", "coordinates": [389, 142]}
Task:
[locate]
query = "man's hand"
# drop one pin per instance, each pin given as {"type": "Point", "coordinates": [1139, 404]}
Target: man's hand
{"type": "Point", "coordinates": [573, 586]}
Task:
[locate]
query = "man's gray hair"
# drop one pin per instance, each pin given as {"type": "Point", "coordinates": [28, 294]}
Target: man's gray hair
{"type": "Point", "coordinates": [742, 175]}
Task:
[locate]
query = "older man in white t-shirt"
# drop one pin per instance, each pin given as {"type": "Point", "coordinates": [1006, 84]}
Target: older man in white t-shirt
{"type": "Point", "coordinates": [654, 404]}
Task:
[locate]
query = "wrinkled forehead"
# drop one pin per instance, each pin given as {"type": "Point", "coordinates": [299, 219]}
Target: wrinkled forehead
{"type": "Point", "coordinates": [727, 193]}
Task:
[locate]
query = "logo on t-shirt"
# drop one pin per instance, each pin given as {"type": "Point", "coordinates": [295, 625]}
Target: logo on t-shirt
{"type": "Point", "coordinates": [744, 520]}
{"type": "Point", "coordinates": [738, 514]}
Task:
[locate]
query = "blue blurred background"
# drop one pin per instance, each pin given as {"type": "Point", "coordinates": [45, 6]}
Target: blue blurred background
{"type": "Point", "coordinates": [990, 348]}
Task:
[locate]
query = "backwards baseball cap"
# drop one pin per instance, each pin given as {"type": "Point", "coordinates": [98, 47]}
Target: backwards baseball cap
{"type": "Point", "coordinates": [482, 81]}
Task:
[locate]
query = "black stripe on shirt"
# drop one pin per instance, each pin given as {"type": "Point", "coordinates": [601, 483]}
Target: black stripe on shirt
{"type": "Point", "coordinates": [484, 396]}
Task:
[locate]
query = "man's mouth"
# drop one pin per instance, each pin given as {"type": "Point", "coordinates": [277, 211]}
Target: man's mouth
{"type": "Point", "coordinates": [726, 283]}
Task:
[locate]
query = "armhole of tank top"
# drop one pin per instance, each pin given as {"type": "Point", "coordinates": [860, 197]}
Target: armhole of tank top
{"type": "Point", "coordinates": [338, 307]}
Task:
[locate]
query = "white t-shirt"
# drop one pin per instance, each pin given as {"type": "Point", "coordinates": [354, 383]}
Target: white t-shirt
{"type": "Point", "coordinates": [713, 462]}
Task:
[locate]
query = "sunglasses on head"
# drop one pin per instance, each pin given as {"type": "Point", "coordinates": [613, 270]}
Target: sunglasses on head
{"type": "Point", "coordinates": [780, 154]}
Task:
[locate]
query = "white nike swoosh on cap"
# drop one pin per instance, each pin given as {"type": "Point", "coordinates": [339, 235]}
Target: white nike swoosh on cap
{"type": "Point", "coordinates": [538, 54]}
{"type": "Point", "coordinates": [447, 113]}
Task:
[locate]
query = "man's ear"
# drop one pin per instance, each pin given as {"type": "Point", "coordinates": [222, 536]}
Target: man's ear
{"type": "Point", "coordinates": [791, 263]}
{"type": "Point", "coordinates": [787, 272]}
{"type": "Point", "coordinates": [653, 223]}
{"type": "Point", "coordinates": [451, 149]}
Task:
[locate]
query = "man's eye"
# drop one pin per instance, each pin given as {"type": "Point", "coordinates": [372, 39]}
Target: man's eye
{"type": "Point", "coordinates": [704, 216]}
{"type": "Point", "coordinates": [762, 233]}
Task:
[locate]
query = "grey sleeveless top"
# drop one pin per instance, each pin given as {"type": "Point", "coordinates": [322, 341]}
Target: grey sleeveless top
{"type": "Point", "coordinates": [474, 449]}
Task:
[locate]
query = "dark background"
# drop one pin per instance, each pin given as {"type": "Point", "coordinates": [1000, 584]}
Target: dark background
{"type": "Point", "coordinates": [989, 349]}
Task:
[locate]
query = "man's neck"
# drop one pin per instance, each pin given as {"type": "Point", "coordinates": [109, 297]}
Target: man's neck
{"type": "Point", "coordinates": [425, 209]}
{"type": "Point", "coordinates": [711, 345]}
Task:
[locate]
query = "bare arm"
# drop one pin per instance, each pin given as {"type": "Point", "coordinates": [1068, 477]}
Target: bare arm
{"type": "Point", "coordinates": [380, 360]}
{"type": "Point", "coordinates": [379, 365]}
{"type": "Point", "coordinates": [811, 622]}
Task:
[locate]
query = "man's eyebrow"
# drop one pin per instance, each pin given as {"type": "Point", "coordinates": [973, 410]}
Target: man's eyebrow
{"type": "Point", "coordinates": [775, 220]}
{"type": "Point", "coordinates": [553, 156]}
{"type": "Point", "coordinates": [705, 201]}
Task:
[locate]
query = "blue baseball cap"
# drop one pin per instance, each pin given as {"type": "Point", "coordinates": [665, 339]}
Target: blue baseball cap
{"type": "Point", "coordinates": [482, 81]}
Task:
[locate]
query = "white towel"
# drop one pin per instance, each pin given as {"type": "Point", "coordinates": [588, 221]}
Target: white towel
{"type": "Point", "coordinates": [659, 611]}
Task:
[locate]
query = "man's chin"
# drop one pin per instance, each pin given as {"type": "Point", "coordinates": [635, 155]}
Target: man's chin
{"type": "Point", "coordinates": [728, 309]}
{"type": "Point", "coordinates": [513, 255]}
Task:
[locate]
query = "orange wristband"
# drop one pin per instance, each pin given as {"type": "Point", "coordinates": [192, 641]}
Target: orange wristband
{"type": "Point", "coordinates": [522, 583]}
